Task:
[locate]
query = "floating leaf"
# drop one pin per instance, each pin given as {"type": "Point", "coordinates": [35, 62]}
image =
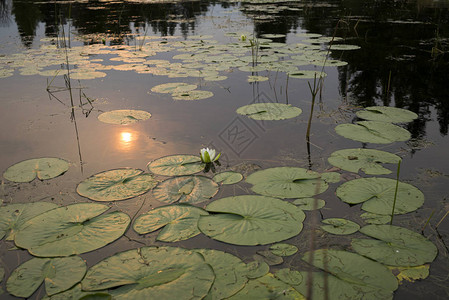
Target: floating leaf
{"type": "Point", "coordinates": [179, 222]}
{"type": "Point", "coordinates": [306, 74]}
{"type": "Point", "coordinates": [186, 189]}
{"type": "Point", "coordinates": [176, 165]}
{"type": "Point", "coordinates": [372, 218]}
{"type": "Point", "coordinates": [152, 273]}
{"type": "Point", "coordinates": [269, 111]}
{"type": "Point", "coordinates": [256, 269]}
{"type": "Point", "coordinates": [267, 287]}
{"type": "Point", "coordinates": [174, 87]}
{"type": "Point", "coordinates": [339, 226]}
{"type": "Point", "coordinates": [59, 274]}
{"type": "Point", "coordinates": [395, 246]}
{"type": "Point", "coordinates": [75, 293]}
{"type": "Point", "coordinates": [228, 177]}
{"type": "Point", "coordinates": [230, 273]}
{"type": "Point", "coordinates": [73, 229]}
{"type": "Point", "coordinates": [287, 182]}
{"type": "Point", "coordinates": [373, 132]}
{"type": "Point", "coordinates": [257, 78]}
{"type": "Point", "coordinates": [124, 116]}
{"type": "Point", "coordinates": [288, 276]}
{"type": "Point", "coordinates": [270, 258]}
{"type": "Point", "coordinates": [283, 249]}
{"type": "Point", "coordinates": [251, 220]}
{"type": "Point", "coordinates": [42, 168]}
{"type": "Point", "coordinates": [14, 216]}
{"type": "Point", "coordinates": [118, 184]}
{"type": "Point", "coordinates": [410, 274]}
{"type": "Point", "coordinates": [367, 160]}
{"type": "Point", "coordinates": [308, 203]}
{"type": "Point", "coordinates": [353, 268]}
{"type": "Point", "coordinates": [192, 95]}
{"type": "Point", "coordinates": [331, 177]}
{"type": "Point", "coordinates": [387, 114]}
{"type": "Point", "coordinates": [344, 47]}
{"type": "Point", "coordinates": [378, 195]}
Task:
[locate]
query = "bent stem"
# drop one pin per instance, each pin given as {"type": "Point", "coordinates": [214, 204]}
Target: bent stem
{"type": "Point", "coordinates": [395, 191]}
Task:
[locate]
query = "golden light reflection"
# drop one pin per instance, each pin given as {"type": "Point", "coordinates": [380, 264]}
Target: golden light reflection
{"type": "Point", "coordinates": [126, 140]}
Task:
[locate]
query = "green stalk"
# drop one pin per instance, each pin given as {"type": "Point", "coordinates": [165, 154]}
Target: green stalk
{"type": "Point", "coordinates": [395, 191]}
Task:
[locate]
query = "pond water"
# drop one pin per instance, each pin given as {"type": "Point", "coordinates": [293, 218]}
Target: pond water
{"type": "Point", "coordinates": [64, 63]}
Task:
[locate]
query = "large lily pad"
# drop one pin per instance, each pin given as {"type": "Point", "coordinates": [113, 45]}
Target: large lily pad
{"type": "Point", "coordinates": [267, 287]}
{"type": "Point", "coordinates": [174, 87]}
{"type": "Point", "coordinates": [387, 114]}
{"type": "Point", "coordinates": [42, 168]}
{"type": "Point", "coordinates": [186, 189]}
{"type": "Point", "coordinates": [152, 273]}
{"type": "Point", "coordinates": [124, 116]}
{"type": "Point", "coordinates": [14, 216]}
{"type": "Point", "coordinates": [269, 111]}
{"type": "Point", "coordinates": [230, 273]}
{"type": "Point", "coordinates": [179, 222]}
{"type": "Point", "coordinates": [287, 182]}
{"type": "Point", "coordinates": [395, 246]}
{"type": "Point", "coordinates": [353, 268]}
{"type": "Point", "coordinates": [118, 184]}
{"type": "Point", "coordinates": [73, 229]}
{"type": "Point", "coordinates": [251, 220]}
{"type": "Point", "coordinates": [339, 226]}
{"type": "Point", "coordinates": [59, 274]}
{"type": "Point", "coordinates": [373, 132]}
{"type": "Point", "coordinates": [378, 195]}
{"type": "Point", "coordinates": [367, 160]}
{"type": "Point", "coordinates": [176, 165]}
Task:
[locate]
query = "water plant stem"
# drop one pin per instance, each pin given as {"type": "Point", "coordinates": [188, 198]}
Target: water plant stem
{"type": "Point", "coordinates": [395, 191]}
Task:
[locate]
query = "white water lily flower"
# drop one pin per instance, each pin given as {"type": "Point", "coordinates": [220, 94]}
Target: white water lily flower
{"type": "Point", "coordinates": [208, 155]}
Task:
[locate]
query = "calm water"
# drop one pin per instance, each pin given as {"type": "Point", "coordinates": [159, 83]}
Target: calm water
{"type": "Point", "coordinates": [403, 62]}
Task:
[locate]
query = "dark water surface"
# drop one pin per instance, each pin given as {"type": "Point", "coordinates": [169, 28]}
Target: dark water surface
{"type": "Point", "coordinates": [403, 62]}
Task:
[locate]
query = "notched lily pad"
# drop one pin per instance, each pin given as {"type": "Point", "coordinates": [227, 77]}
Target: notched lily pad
{"type": "Point", "coordinates": [118, 184]}
{"type": "Point", "coordinates": [367, 160]}
{"type": "Point", "coordinates": [410, 274]}
{"type": "Point", "coordinates": [174, 87]}
{"type": "Point", "coordinates": [373, 132]}
{"type": "Point", "coordinates": [58, 274]}
{"type": "Point", "coordinates": [269, 111]}
{"type": "Point", "coordinates": [387, 114]}
{"type": "Point", "coordinates": [339, 226]}
{"type": "Point", "coordinates": [73, 229]}
{"type": "Point", "coordinates": [395, 246]}
{"type": "Point", "coordinates": [192, 95]}
{"type": "Point", "coordinates": [179, 222]}
{"type": "Point", "coordinates": [124, 116]}
{"type": "Point", "coordinates": [176, 165]}
{"type": "Point", "coordinates": [283, 249]}
{"type": "Point", "coordinates": [228, 177]}
{"type": "Point", "coordinates": [186, 189]}
{"type": "Point", "coordinates": [251, 220]}
{"type": "Point", "coordinates": [42, 168]}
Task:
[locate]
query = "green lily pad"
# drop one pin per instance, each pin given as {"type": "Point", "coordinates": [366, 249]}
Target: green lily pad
{"type": "Point", "coordinates": [75, 293]}
{"type": "Point", "coordinates": [387, 114]}
{"type": "Point", "coordinates": [331, 177]}
{"type": "Point", "coordinates": [367, 160]}
{"type": "Point", "coordinates": [340, 226]}
{"type": "Point", "coordinates": [118, 184]}
{"type": "Point", "coordinates": [288, 276]}
{"type": "Point", "coordinates": [373, 132]}
{"type": "Point", "coordinates": [378, 195]}
{"type": "Point", "coordinates": [73, 229]}
{"type": "Point", "coordinates": [14, 216]}
{"type": "Point", "coordinates": [325, 285]}
{"type": "Point", "coordinates": [372, 218]}
{"type": "Point", "coordinates": [308, 203]}
{"type": "Point", "coordinates": [267, 287]}
{"type": "Point", "coordinates": [42, 168]}
{"type": "Point", "coordinates": [344, 47]}
{"type": "Point", "coordinates": [269, 111]}
{"type": "Point", "coordinates": [270, 258]}
{"type": "Point", "coordinates": [179, 222]}
{"type": "Point", "coordinates": [251, 220]}
{"type": "Point", "coordinates": [230, 273]}
{"type": "Point", "coordinates": [395, 246]}
{"type": "Point", "coordinates": [174, 87]}
{"type": "Point", "coordinates": [186, 189]}
{"type": "Point", "coordinates": [152, 273]}
{"type": "Point", "coordinates": [192, 95]}
{"type": "Point", "coordinates": [353, 268]}
{"type": "Point", "coordinates": [283, 249]}
{"type": "Point", "coordinates": [228, 177]}
{"type": "Point", "coordinates": [176, 165]}
{"type": "Point", "coordinates": [59, 274]}
{"type": "Point", "coordinates": [124, 116]}
{"type": "Point", "coordinates": [306, 74]}
{"type": "Point", "coordinates": [410, 274]}
{"type": "Point", "coordinates": [287, 182]}
{"type": "Point", "coordinates": [256, 269]}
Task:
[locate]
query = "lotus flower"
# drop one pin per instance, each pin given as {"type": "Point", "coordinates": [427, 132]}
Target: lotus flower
{"type": "Point", "coordinates": [208, 155]}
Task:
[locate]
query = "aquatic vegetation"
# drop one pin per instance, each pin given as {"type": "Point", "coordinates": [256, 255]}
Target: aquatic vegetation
{"type": "Point", "coordinates": [339, 226]}
{"type": "Point", "coordinates": [227, 177]}
{"type": "Point", "coordinates": [373, 132]}
{"type": "Point", "coordinates": [269, 111]}
{"type": "Point", "coordinates": [209, 155]}
{"type": "Point", "coordinates": [283, 249]}
{"type": "Point", "coordinates": [176, 165]}
{"type": "Point", "coordinates": [123, 116]}
{"type": "Point", "coordinates": [42, 168]}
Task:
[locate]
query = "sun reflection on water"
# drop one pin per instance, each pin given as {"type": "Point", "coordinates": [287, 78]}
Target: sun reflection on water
{"type": "Point", "coordinates": [126, 140]}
